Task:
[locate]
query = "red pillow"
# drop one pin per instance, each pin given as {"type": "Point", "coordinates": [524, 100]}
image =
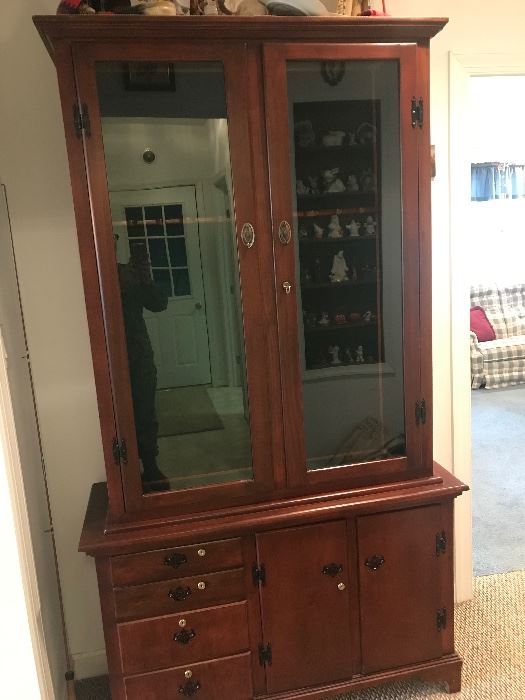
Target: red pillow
{"type": "Point", "coordinates": [480, 324]}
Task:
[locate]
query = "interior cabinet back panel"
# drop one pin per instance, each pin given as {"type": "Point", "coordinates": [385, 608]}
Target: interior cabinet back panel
{"type": "Point", "coordinates": [398, 581]}
{"type": "Point", "coordinates": [306, 615]}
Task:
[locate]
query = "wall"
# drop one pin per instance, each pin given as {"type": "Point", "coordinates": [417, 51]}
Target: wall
{"type": "Point", "coordinates": [34, 168]}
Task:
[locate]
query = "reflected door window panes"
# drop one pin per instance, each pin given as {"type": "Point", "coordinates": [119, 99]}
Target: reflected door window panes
{"type": "Point", "coordinates": [166, 146]}
{"type": "Point", "coordinates": [347, 192]}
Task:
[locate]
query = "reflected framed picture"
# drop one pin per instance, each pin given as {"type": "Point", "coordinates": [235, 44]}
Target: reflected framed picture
{"type": "Point", "coordinates": [149, 75]}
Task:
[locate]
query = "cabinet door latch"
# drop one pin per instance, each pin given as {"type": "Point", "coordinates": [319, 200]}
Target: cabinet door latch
{"type": "Point", "coordinates": [441, 619]}
{"type": "Point", "coordinates": [259, 574]}
{"type": "Point", "coordinates": [81, 120]}
{"type": "Point", "coordinates": [265, 654]}
{"type": "Point", "coordinates": [417, 112]}
{"type": "Point", "coordinates": [120, 451]}
{"type": "Point", "coordinates": [441, 543]}
{"type": "Point", "coordinates": [421, 412]}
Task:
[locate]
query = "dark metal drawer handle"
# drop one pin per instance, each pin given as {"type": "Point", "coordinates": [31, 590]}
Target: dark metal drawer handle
{"type": "Point", "coordinates": [175, 560]}
{"type": "Point", "coordinates": [332, 569]}
{"type": "Point", "coordinates": [180, 593]}
{"type": "Point", "coordinates": [189, 688]}
{"type": "Point", "coordinates": [373, 563]}
{"type": "Point", "coordinates": [184, 636]}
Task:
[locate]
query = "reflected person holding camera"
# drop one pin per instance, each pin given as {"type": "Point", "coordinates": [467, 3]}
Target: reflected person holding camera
{"type": "Point", "coordinates": [139, 291]}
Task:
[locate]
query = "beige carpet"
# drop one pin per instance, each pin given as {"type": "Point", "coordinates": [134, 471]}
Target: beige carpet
{"type": "Point", "coordinates": [186, 409]}
{"type": "Point", "coordinates": [490, 637]}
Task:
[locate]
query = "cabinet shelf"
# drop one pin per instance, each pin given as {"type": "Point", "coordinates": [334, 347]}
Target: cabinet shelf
{"type": "Point", "coordinates": [341, 211]}
{"type": "Point", "coordinates": [337, 285]}
{"type": "Point", "coordinates": [331, 196]}
{"type": "Point", "coordinates": [340, 326]}
{"type": "Point", "coordinates": [343, 239]}
{"type": "Point", "coordinates": [357, 149]}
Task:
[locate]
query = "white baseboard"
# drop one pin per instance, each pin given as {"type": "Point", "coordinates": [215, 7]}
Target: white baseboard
{"type": "Point", "coordinates": [90, 664]}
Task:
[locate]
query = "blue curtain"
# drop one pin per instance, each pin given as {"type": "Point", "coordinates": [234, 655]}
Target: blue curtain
{"type": "Point", "coordinates": [497, 181]}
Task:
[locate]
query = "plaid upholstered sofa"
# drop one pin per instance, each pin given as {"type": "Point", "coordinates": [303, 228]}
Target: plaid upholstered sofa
{"type": "Point", "coordinates": [500, 362]}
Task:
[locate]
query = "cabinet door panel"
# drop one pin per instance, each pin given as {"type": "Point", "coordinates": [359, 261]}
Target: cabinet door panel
{"type": "Point", "coordinates": [170, 163]}
{"type": "Point", "coordinates": [306, 616]}
{"type": "Point", "coordinates": [399, 582]}
{"type": "Point", "coordinates": [343, 173]}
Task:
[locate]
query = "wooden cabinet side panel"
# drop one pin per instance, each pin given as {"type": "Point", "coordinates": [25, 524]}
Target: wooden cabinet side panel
{"type": "Point", "coordinates": [107, 604]}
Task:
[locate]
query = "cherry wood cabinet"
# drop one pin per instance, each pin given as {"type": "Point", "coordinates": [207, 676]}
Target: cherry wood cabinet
{"type": "Point", "coordinates": [252, 206]}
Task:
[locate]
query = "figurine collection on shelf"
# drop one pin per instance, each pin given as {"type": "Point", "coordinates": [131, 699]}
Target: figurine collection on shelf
{"type": "Point", "coordinates": [336, 180]}
{"type": "Point", "coordinates": [338, 204]}
{"type": "Point", "coordinates": [313, 320]}
{"type": "Point", "coordinates": [336, 355]}
{"type": "Point", "coordinates": [306, 136]}
{"type": "Point", "coordinates": [336, 269]}
{"type": "Point", "coordinates": [353, 227]}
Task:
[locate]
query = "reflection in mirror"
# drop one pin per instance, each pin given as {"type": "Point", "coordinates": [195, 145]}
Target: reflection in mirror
{"type": "Point", "coordinates": [166, 147]}
{"type": "Point", "coordinates": [345, 148]}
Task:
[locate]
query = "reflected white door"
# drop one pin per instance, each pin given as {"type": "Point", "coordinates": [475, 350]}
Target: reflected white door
{"type": "Point", "coordinates": [165, 220]}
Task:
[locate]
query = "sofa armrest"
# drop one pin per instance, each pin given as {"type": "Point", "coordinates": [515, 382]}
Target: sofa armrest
{"type": "Point", "coordinates": [476, 362]}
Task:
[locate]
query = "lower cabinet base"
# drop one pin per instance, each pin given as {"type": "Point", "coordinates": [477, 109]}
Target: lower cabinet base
{"type": "Point", "coordinates": [446, 670]}
{"type": "Point", "coordinates": [308, 609]}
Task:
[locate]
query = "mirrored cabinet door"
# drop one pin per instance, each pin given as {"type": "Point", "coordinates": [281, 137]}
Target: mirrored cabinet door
{"type": "Point", "coordinates": [349, 291]}
{"type": "Point", "coordinates": [179, 261]}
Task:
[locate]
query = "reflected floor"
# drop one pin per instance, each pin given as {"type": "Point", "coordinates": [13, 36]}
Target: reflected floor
{"type": "Point", "coordinates": [210, 456]}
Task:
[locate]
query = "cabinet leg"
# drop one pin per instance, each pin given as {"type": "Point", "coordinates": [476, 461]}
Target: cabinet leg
{"type": "Point", "coordinates": [454, 682]}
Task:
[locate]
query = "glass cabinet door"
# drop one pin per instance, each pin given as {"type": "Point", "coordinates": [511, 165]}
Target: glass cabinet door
{"type": "Point", "coordinates": [179, 264]}
{"type": "Point", "coordinates": [343, 171]}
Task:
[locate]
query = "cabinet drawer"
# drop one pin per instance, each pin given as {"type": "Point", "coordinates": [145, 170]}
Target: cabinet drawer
{"type": "Point", "coordinates": [161, 564]}
{"type": "Point", "coordinates": [162, 642]}
{"type": "Point", "coordinates": [179, 594]}
{"type": "Point", "coordinates": [224, 679]}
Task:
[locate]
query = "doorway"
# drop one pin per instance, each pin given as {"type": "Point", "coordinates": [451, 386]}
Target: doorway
{"type": "Point", "coordinates": [165, 222]}
{"type": "Point", "coordinates": [497, 293]}
{"type": "Point", "coordinates": [462, 68]}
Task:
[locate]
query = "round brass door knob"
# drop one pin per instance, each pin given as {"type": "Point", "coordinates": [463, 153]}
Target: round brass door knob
{"type": "Point", "coordinates": [341, 586]}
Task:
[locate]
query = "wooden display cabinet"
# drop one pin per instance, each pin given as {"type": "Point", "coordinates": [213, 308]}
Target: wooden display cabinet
{"type": "Point", "coordinates": [252, 198]}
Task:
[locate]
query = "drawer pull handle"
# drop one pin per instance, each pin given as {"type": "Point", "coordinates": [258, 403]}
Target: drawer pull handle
{"type": "Point", "coordinates": [332, 569]}
{"type": "Point", "coordinates": [373, 563]}
{"type": "Point", "coordinates": [184, 636]}
{"type": "Point", "coordinates": [175, 560]}
{"type": "Point", "coordinates": [180, 593]}
{"type": "Point", "coordinates": [189, 688]}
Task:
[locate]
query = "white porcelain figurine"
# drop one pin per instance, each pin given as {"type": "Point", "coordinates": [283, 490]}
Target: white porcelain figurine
{"type": "Point", "coordinates": [370, 226]}
{"type": "Point", "coordinates": [332, 183]}
{"type": "Point", "coordinates": [333, 350]}
{"type": "Point", "coordinates": [359, 354]}
{"type": "Point", "coordinates": [339, 272]}
{"type": "Point", "coordinates": [353, 228]}
{"type": "Point", "coordinates": [334, 227]}
{"type": "Point", "coordinates": [318, 232]}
